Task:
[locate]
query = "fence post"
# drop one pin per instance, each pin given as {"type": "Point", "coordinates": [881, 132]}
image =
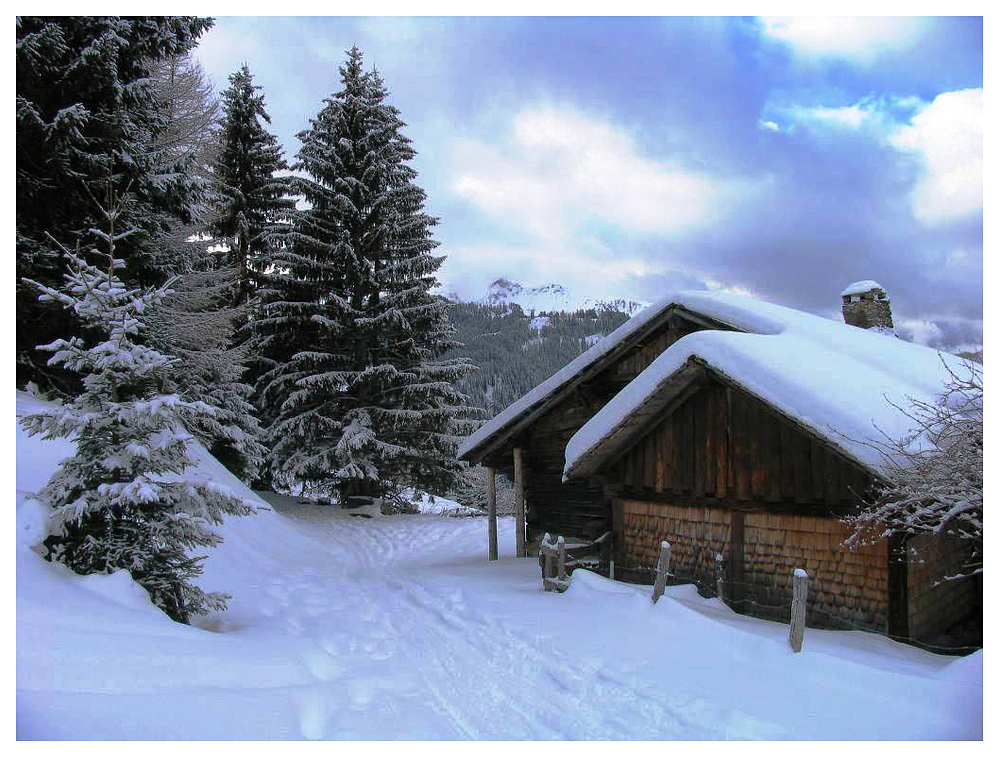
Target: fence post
{"type": "Point", "coordinates": [662, 571]}
{"type": "Point", "coordinates": [800, 585]}
{"type": "Point", "coordinates": [546, 550]}
{"type": "Point", "coordinates": [561, 544]}
{"type": "Point", "coordinates": [718, 576]}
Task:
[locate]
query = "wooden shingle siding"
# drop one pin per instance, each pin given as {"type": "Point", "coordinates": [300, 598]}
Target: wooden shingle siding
{"type": "Point", "coordinates": [695, 535]}
{"type": "Point", "coordinates": [933, 604]}
{"type": "Point", "coordinates": [847, 588]}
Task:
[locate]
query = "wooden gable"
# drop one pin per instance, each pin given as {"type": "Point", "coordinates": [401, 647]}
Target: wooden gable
{"type": "Point", "coordinates": [578, 508]}
{"type": "Point", "coordinates": [577, 404]}
{"type": "Point", "coordinates": [596, 384]}
{"type": "Point", "coordinates": [721, 443]}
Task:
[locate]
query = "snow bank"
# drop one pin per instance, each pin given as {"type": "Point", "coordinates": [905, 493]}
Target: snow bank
{"type": "Point", "coordinates": [837, 380]}
{"type": "Point", "coordinates": [440, 506]}
{"type": "Point", "coordinates": [539, 322]}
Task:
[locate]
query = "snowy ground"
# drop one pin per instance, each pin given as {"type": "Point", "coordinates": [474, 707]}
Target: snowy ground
{"type": "Point", "coordinates": [397, 627]}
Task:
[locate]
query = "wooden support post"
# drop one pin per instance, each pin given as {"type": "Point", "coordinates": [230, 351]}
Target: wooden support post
{"type": "Point", "coordinates": [800, 586]}
{"type": "Point", "coordinates": [491, 512]}
{"type": "Point", "coordinates": [899, 610]}
{"type": "Point", "coordinates": [662, 571]}
{"type": "Point", "coordinates": [519, 548]}
{"type": "Point", "coordinates": [718, 576]}
{"type": "Point", "coordinates": [561, 562]}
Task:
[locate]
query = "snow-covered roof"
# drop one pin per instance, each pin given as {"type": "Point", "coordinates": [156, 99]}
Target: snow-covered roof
{"type": "Point", "coordinates": [520, 409]}
{"type": "Point", "coordinates": [859, 288]}
{"type": "Point", "coordinates": [837, 380]}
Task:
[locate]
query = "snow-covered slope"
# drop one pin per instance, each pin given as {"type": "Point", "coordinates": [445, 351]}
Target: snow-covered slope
{"type": "Point", "coordinates": [399, 628]}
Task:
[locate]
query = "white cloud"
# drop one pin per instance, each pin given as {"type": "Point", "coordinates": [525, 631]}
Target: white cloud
{"type": "Point", "coordinates": [860, 39]}
{"type": "Point", "coordinates": [869, 111]}
{"type": "Point", "coordinates": [946, 136]}
{"type": "Point", "coordinates": [850, 116]}
{"type": "Point", "coordinates": [922, 331]}
{"type": "Point", "coordinates": [557, 170]}
{"type": "Point", "coordinates": [558, 178]}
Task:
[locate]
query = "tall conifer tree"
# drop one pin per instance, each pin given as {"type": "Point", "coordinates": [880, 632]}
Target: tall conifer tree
{"type": "Point", "coordinates": [361, 399]}
{"type": "Point", "coordinates": [251, 199]}
{"type": "Point", "coordinates": [86, 109]}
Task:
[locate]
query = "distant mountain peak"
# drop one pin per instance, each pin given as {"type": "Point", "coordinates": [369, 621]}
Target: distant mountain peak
{"type": "Point", "coordinates": [550, 298]}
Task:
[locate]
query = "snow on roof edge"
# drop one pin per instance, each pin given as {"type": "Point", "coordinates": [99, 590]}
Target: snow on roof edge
{"type": "Point", "coordinates": [885, 362]}
{"type": "Point", "coordinates": [799, 376]}
{"type": "Point", "coordinates": [579, 451]}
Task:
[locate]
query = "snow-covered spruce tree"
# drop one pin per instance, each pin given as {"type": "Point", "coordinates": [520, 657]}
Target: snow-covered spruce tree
{"type": "Point", "coordinates": [250, 199]}
{"type": "Point", "coordinates": [126, 499]}
{"type": "Point", "coordinates": [86, 106]}
{"type": "Point", "coordinates": [934, 475]}
{"type": "Point", "coordinates": [194, 323]}
{"type": "Point", "coordinates": [360, 397]}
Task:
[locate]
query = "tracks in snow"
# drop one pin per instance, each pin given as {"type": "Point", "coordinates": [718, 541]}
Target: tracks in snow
{"type": "Point", "coordinates": [383, 631]}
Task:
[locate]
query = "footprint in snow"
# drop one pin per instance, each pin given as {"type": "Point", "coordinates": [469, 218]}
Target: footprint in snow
{"type": "Point", "coordinates": [363, 691]}
{"type": "Point", "coordinates": [313, 718]}
{"type": "Point", "coordinates": [378, 650]}
{"type": "Point", "coordinates": [335, 642]}
{"type": "Point", "coordinates": [321, 665]}
{"type": "Point", "coordinates": [313, 611]}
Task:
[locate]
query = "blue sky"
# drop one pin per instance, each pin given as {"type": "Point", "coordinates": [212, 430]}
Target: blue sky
{"type": "Point", "coordinates": [628, 157]}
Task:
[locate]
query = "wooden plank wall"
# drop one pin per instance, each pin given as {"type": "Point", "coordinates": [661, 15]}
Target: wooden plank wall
{"type": "Point", "coordinates": [722, 443]}
{"type": "Point", "coordinates": [636, 360]}
{"type": "Point", "coordinates": [575, 509]}
{"type": "Point", "coordinates": [935, 605]}
{"type": "Point", "coordinates": [572, 509]}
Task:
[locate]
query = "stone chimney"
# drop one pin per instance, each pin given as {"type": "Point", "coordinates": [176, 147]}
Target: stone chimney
{"type": "Point", "coordinates": [866, 305]}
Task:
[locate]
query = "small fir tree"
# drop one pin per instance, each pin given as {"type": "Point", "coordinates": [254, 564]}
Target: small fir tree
{"type": "Point", "coordinates": [360, 397]}
{"type": "Point", "coordinates": [126, 499]}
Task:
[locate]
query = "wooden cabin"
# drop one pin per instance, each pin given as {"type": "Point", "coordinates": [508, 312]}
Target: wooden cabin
{"type": "Point", "coordinates": [537, 427]}
{"type": "Point", "coordinates": [734, 428]}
